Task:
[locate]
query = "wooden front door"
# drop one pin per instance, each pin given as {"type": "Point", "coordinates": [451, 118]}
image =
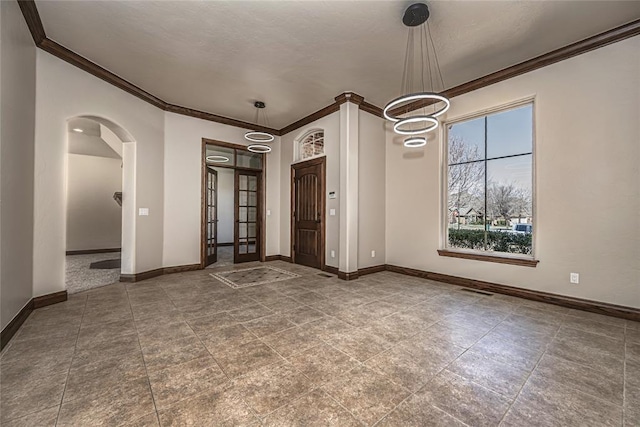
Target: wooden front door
{"type": "Point", "coordinates": [212, 217]}
{"type": "Point", "coordinates": [248, 216]}
{"type": "Point", "coordinates": [308, 212]}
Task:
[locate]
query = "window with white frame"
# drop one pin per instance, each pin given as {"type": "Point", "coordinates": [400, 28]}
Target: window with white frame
{"type": "Point", "coordinates": [489, 183]}
{"type": "Point", "coordinates": [311, 145]}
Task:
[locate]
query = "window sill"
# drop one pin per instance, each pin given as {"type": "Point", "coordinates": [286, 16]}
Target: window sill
{"type": "Point", "coordinates": [524, 262]}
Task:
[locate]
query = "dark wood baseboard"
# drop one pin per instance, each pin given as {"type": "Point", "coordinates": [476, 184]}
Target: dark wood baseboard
{"type": "Point", "coordinates": [10, 330]}
{"type": "Point", "coordinates": [356, 274]}
{"type": "Point", "coordinates": [330, 269]}
{"type": "Point", "coordinates": [137, 277]}
{"type": "Point", "coordinates": [37, 302]}
{"type": "Point", "coordinates": [45, 300]}
{"type": "Point", "coordinates": [93, 251]}
{"type": "Point", "coordinates": [565, 301]}
{"type": "Point", "coordinates": [371, 270]}
{"type": "Point", "coordinates": [348, 276]}
{"type": "Point", "coordinates": [181, 268]}
{"type": "Point", "coordinates": [278, 258]}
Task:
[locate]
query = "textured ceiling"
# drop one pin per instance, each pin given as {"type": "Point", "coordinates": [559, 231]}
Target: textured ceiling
{"type": "Point", "coordinates": [220, 56]}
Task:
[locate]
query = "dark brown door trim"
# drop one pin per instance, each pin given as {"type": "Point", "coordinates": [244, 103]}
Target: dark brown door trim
{"type": "Point", "coordinates": [203, 195]}
{"type": "Point", "coordinates": [323, 209]}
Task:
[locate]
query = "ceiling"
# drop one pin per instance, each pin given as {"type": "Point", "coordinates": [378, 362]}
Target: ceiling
{"type": "Point", "coordinates": [221, 56]}
{"type": "Point", "coordinates": [89, 142]}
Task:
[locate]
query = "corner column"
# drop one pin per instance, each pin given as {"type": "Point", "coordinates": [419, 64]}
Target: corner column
{"type": "Point", "coordinates": [349, 146]}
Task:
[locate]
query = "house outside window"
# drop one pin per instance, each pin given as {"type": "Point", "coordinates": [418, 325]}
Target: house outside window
{"type": "Point", "coordinates": [310, 145]}
{"type": "Point", "coordinates": [489, 182]}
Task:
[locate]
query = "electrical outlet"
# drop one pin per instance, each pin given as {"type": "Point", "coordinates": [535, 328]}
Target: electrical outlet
{"type": "Point", "coordinates": [373, 254]}
{"type": "Point", "coordinates": [333, 254]}
{"type": "Point", "coordinates": [574, 278]}
{"type": "Point", "coordinates": [143, 211]}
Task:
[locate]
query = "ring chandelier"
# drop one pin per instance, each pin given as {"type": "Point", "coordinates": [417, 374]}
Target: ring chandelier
{"type": "Point", "coordinates": [259, 148]}
{"type": "Point", "coordinates": [427, 104]}
{"type": "Point", "coordinates": [217, 159]}
{"type": "Point", "coordinates": [258, 139]}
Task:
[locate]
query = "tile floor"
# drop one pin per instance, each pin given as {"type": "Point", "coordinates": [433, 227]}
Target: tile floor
{"type": "Point", "coordinates": [384, 350]}
{"type": "Point", "coordinates": [225, 257]}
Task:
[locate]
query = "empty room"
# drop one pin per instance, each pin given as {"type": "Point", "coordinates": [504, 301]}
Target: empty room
{"type": "Point", "coordinates": [319, 213]}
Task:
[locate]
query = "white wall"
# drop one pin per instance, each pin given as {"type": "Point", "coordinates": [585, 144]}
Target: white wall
{"type": "Point", "coordinates": [331, 126]}
{"type": "Point", "coordinates": [94, 219]}
{"type": "Point", "coordinates": [587, 178]}
{"type": "Point", "coordinates": [371, 191]}
{"type": "Point", "coordinates": [64, 92]}
{"type": "Point", "coordinates": [226, 196]}
{"type": "Point", "coordinates": [17, 121]}
{"type": "Point", "coordinates": [183, 182]}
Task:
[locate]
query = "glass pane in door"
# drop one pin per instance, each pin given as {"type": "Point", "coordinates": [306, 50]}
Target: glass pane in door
{"type": "Point", "coordinates": [247, 215]}
{"type": "Point", "coordinates": [211, 215]}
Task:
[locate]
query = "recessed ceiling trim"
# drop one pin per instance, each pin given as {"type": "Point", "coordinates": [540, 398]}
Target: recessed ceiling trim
{"type": "Point", "coordinates": [34, 23]}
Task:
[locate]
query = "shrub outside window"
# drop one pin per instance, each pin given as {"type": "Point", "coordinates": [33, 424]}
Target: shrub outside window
{"type": "Point", "coordinates": [490, 182]}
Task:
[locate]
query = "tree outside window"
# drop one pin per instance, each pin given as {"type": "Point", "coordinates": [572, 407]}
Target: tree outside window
{"type": "Point", "coordinates": [490, 182]}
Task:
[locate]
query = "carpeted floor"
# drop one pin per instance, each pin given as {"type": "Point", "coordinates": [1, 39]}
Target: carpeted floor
{"type": "Point", "coordinates": [80, 277]}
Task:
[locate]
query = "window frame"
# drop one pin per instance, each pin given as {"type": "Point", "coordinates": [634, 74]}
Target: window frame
{"type": "Point", "coordinates": [298, 141]}
{"type": "Point", "coordinates": [491, 256]}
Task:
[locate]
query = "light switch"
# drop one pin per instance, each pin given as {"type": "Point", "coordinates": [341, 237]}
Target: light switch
{"type": "Point", "coordinates": [332, 212]}
{"type": "Point", "coordinates": [333, 254]}
{"type": "Point", "coordinates": [268, 212]}
{"type": "Point", "coordinates": [143, 211]}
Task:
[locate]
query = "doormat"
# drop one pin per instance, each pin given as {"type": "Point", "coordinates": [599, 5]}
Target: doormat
{"type": "Point", "coordinates": [255, 276]}
{"type": "Point", "coordinates": [105, 265]}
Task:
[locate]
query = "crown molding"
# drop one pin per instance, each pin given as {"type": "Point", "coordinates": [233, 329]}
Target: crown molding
{"type": "Point", "coordinates": [332, 108]}
{"type": "Point", "coordinates": [90, 67]}
{"type": "Point", "coordinates": [349, 97]}
{"type": "Point", "coordinates": [614, 35]}
{"type": "Point", "coordinates": [32, 18]}
{"type": "Point", "coordinates": [218, 119]}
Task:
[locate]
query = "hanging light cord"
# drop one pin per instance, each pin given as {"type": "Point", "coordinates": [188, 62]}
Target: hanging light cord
{"type": "Point", "coordinates": [423, 92]}
{"type": "Point", "coordinates": [265, 117]}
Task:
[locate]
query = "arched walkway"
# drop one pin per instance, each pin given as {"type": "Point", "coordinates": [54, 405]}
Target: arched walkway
{"type": "Point", "coordinates": [100, 202]}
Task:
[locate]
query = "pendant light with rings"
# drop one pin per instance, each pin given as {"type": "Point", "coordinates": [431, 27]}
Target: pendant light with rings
{"type": "Point", "coordinates": [259, 139]}
{"type": "Point", "coordinates": [423, 91]}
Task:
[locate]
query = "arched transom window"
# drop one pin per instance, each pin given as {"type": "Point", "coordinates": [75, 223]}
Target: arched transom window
{"type": "Point", "coordinates": [311, 145]}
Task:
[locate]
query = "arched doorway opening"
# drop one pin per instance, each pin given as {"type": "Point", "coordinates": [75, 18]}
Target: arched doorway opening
{"type": "Point", "coordinates": [99, 203]}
